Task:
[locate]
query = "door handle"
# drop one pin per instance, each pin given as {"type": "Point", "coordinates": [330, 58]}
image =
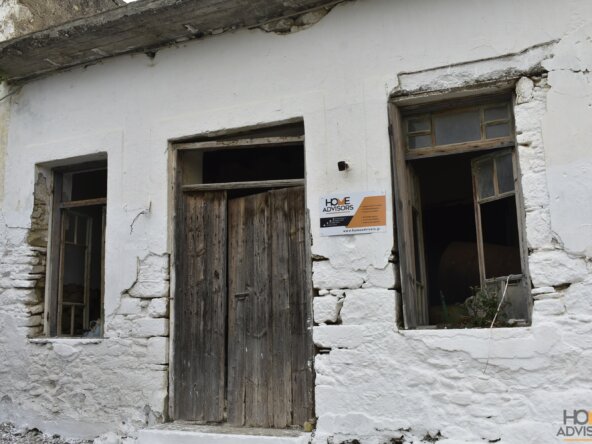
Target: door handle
{"type": "Point", "coordinates": [241, 295]}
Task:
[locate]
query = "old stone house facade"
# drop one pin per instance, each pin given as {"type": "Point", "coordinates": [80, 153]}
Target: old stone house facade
{"type": "Point", "coordinates": [151, 273]}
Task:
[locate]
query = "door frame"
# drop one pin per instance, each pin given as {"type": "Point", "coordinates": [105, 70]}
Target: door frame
{"type": "Point", "coordinates": [175, 190]}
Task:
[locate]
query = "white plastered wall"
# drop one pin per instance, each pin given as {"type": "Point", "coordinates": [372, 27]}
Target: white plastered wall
{"type": "Point", "coordinates": [376, 382]}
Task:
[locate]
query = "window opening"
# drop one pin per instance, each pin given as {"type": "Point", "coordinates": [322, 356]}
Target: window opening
{"type": "Point", "coordinates": [78, 237]}
{"type": "Point", "coordinates": [458, 219]}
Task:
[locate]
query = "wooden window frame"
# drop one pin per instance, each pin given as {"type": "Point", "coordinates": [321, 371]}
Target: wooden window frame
{"type": "Point", "coordinates": [401, 157]}
{"type": "Point", "coordinates": [497, 195]}
{"type": "Point", "coordinates": [461, 147]}
{"type": "Point", "coordinates": [56, 247]}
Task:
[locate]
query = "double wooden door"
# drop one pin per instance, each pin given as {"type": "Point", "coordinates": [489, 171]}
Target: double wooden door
{"type": "Point", "coordinates": [242, 341]}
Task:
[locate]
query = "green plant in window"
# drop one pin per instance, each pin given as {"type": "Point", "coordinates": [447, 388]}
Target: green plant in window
{"type": "Point", "coordinates": [482, 307]}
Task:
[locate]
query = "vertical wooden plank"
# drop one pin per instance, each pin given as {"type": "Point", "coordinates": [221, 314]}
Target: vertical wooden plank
{"type": "Point", "coordinates": [179, 370]}
{"type": "Point", "coordinates": [53, 259]}
{"type": "Point", "coordinates": [175, 170]}
{"type": "Point", "coordinates": [419, 264]}
{"type": "Point", "coordinates": [180, 334]}
{"type": "Point", "coordinates": [258, 379]}
{"type": "Point", "coordinates": [217, 283]}
{"type": "Point", "coordinates": [477, 208]}
{"type": "Point", "coordinates": [300, 309]}
{"type": "Point", "coordinates": [249, 335]}
{"type": "Point", "coordinates": [60, 274]}
{"type": "Point", "coordinates": [403, 220]}
{"type": "Point", "coordinates": [280, 400]}
{"type": "Point", "coordinates": [200, 308]}
{"type": "Point", "coordinates": [238, 298]}
{"type": "Point", "coordinates": [216, 313]}
{"type": "Point", "coordinates": [87, 267]}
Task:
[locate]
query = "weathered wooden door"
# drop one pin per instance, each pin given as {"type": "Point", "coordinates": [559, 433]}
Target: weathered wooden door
{"type": "Point", "coordinates": [244, 275]}
{"type": "Point", "coordinates": [200, 307]}
{"type": "Point", "coordinates": [269, 343]}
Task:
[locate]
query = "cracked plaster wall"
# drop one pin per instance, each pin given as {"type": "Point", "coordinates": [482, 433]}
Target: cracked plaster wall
{"type": "Point", "coordinates": [373, 381]}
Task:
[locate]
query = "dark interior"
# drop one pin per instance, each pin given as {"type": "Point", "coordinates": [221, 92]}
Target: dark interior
{"type": "Point", "coordinates": [83, 232]}
{"type": "Point", "coordinates": [89, 184]}
{"type": "Point", "coordinates": [77, 222]}
{"type": "Point", "coordinates": [253, 164]}
{"type": "Point", "coordinates": [450, 235]}
{"type": "Point", "coordinates": [449, 232]}
{"type": "Point", "coordinates": [500, 238]}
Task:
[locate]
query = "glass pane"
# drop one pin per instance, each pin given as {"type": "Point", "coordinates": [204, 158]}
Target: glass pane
{"type": "Point", "coordinates": [455, 128]}
{"type": "Point", "coordinates": [81, 271]}
{"type": "Point", "coordinates": [66, 315]}
{"type": "Point", "coordinates": [418, 124]}
{"type": "Point", "coordinates": [497, 130]}
{"type": "Point", "coordinates": [496, 113]}
{"type": "Point", "coordinates": [73, 277]}
{"type": "Point", "coordinates": [75, 328]}
{"type": "Point", "coordinates": [501, 245]}
{"type": "Point", "coordinates": [69, 226]}
{"type": "Point", "coordinates": [81, 231]}
{"type": "Point", "coordinates": [505, 173]}
{"type": "Point", "coordinates": [420, 141]}
{"type": "Point", "coordinates": [484, 177]}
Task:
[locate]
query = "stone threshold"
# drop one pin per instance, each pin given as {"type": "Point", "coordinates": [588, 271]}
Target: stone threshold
{"type": "Point", "coordinates": [181, 432]}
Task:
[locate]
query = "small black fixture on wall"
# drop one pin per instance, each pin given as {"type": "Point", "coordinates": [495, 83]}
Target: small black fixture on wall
{"type": "Point", "coordinates": [342, 165]}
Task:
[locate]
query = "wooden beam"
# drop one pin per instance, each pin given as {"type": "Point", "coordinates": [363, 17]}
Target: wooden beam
{"type": "Point", "coordinates": [244, 185]}
{"type": "Point", "coordinates": [143, 26]}
{"type": "Point", "coordinates": [459, 148]}
{"type": "Point", "coordinates": [84, 203]}
{"type": "Point", "coordinates": [240, 143]}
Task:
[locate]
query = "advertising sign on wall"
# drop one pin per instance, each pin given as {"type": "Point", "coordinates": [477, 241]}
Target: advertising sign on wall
{"type": "Point", "coordinates": [353, 213]}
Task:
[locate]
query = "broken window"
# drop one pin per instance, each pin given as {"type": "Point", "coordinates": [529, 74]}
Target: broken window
{"type": "Point", "coordinates": [459, 219]}
{"type": "Point", "coordinates": [77, 251]}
